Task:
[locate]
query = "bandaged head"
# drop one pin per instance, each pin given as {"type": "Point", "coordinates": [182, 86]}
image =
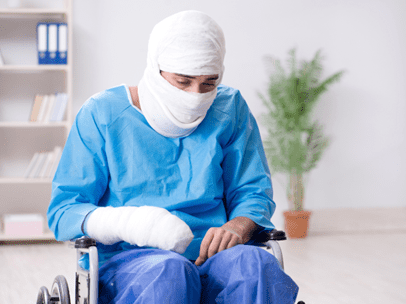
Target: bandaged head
{"type": "Point", "coordinates": [188, 43]}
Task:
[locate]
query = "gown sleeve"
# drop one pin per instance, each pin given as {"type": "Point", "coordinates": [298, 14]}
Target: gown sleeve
{"type": "Point", "coordinates": [81, 178]}
{"type": "Point", "coordinates": [247, 180]}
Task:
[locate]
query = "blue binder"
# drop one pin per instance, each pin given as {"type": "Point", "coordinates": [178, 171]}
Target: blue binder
{"type": "Point", "coordinates": [42, 43]}
{"type": "Point", "coordinates": [52, 43]}
{"type": "Point", "coordinates": [62, 52]}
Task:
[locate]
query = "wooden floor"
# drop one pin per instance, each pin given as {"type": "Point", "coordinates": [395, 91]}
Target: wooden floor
{"type": "Point", "coordinates": [335, 269]}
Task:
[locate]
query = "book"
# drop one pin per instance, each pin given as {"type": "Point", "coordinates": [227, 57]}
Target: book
{"type": "Point", "coordinates": [31, 165]}
{"type": "Point", "coordinates": [36, 107]}
{"type": "Point", "coordinates": [57, 158]}
{"type": "Point", "coordinates": [1, 59]}
{"type": "Point", "coordinates": [62, 53]}
{"type": "Point", "coordinates": [38, 165]}
{"type": "Point", "coordinates": [52, 42]}
{"type": "Point", "coordinates": [42, 43]}
{"type": "Point", "coordinates": [51, 103]}
{"type": "Point", "coordinates": [58, 112]}
{"type": "Point", "coordinates": [47, 164]}
{"type": "Point", "coordinates": [43, 108]}
{"type": "Point", "coordinates": [62, 109]}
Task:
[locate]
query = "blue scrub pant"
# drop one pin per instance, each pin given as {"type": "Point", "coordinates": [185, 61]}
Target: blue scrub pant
{"type": "Point", "coordinates": [242, 274]}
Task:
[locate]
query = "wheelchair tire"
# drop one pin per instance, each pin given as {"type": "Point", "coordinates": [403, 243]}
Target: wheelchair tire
{"type": "Point", "coordinates": [60, 291]}
{"type": "Point", "coordinates": [43, 296]}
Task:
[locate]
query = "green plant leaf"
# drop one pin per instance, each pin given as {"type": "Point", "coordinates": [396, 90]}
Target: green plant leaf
{"type": "Point", "coordinates": [295, 143]}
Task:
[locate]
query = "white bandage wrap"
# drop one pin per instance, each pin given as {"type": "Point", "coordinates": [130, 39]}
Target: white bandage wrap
{"type": "Point", "coordinates": [188, 43]}
{"type": "Point", "coordinates": [142, 226]}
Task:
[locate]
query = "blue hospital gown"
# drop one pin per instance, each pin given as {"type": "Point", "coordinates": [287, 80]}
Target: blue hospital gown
{"type": "Point", "coordinates": [113, 157]}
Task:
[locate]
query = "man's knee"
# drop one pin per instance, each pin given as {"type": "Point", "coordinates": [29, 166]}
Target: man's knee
{"type": "Point", "coordinates": [166, 275]}
{"type": "Point", "coordinates": [247, 252]}
{"type": "Point", "coordinates": [177, 279]}
{"type": "Point", "coordinates": [251, 260]}
{"type": "Point", "coordinates": [171, 264]}
{"type": "Point", "coordinates": [245, 274]}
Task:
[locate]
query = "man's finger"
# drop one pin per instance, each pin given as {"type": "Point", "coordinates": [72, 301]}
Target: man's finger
{"type": "Point", "coordinates": [235, 240]}
{"type": "Point", "coordinates": [215, 242]}
{"type": "Point", "coordinates": [225, 241]}
{"type": "Point", "coordinates": [204, 247]}
{"type": "Point", "coordinates": [199, 261]}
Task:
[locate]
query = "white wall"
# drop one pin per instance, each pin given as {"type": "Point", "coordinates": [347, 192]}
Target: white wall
{"type": "Point", "coordinates": [364, 113]}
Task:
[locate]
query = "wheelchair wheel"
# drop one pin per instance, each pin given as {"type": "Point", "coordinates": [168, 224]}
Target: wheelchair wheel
{"type": "Point", "coordinates": [43, 296]}
{"type": "Point", "coordinates": [60, 291]}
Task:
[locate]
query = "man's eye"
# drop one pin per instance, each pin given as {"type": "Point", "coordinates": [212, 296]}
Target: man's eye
{"type": "Point", "coordinates": [209, 84]}
{"type": "Point", "coordinates": [182, 82]}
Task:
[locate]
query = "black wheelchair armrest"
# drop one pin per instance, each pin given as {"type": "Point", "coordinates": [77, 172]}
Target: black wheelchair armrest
{"type": "Point", "coordinates": [265, 236]}
{"type": "Point", "coordinates": [277, 235]}
{"type": "Point", "coordinates": [85, 242]}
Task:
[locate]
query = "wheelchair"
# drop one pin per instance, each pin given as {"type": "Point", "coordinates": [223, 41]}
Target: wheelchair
{"type": "Point", "coordinates": [87, 281]}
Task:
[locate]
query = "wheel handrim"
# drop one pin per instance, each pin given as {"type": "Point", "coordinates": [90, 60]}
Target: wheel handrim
{"type": "Point", "coordinates": [60, 291]}
{"type": "Point", "coordinates": [43, 296]}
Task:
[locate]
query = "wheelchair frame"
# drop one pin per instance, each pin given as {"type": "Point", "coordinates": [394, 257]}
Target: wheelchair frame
{"type": "Point", "coordinates": [87, 281]}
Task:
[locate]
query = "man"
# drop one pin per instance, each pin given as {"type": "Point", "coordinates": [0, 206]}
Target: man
{"type": "Point", "coordinates": [170, 178]}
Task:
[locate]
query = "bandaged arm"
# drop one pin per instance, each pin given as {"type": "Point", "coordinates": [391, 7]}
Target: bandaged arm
{"type": "Point", "coordinates": [80, 183]}
{"type": "Point", "coordinates": [142, 226]}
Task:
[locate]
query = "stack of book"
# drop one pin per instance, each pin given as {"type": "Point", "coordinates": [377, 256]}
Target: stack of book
{"type": "Point", "coordinates": [49, 108]}
{"type": "Point", "coordinates": [44, 164]}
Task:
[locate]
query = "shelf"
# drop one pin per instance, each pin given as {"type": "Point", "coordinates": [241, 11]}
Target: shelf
{"type": "Point", "coordinates": [21, 78]}
{"type": "Point", "coordinates": [35, 68]}
{"type": "Point", "coordinates": [23, 124]}
{"type": "Point", "coordinates": [24, 181]}
{"type": "Point", "coordinates": [46, 236]}
{"type": "Point", "coordinates": [31, 11]}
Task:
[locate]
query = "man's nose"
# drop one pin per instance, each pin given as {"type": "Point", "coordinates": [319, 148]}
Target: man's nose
{"type": "Point", "coordinates": [197, 88]}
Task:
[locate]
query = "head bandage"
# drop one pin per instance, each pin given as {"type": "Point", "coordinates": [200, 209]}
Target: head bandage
{"type": "Point", "coordinates": [188, 43]}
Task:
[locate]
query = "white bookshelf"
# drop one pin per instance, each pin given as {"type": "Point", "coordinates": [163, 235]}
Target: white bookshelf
{"type": "Point", "coordinates": [21, 77]}
{"type": "Point", "coordinates": [25, 181]}
{"type": "Point", "coordinates": [24, 124]}
{"type": "Point", "coordinates": [35, 68]}
{"type": "Point", "coordinates": [7, 12]}
{"type": "Point", "coordinates": [45, 237]}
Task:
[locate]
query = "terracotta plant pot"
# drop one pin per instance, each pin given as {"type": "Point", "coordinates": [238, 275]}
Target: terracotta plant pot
{"type": "Point", "coordinates": [296, 223]}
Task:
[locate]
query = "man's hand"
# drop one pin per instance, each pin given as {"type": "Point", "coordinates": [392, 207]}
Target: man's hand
{"type": "Point", "coordinates": [237, 231]}
{"type": "Point", "coordinates": [143, 226]}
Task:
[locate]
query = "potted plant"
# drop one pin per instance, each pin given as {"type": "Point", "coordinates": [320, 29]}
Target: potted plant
{"type": "Point", "coordinates": [295, 141]}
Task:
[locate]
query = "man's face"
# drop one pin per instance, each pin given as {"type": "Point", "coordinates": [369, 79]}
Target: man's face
{"type": "Point", "coordinates": [196, 84]}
